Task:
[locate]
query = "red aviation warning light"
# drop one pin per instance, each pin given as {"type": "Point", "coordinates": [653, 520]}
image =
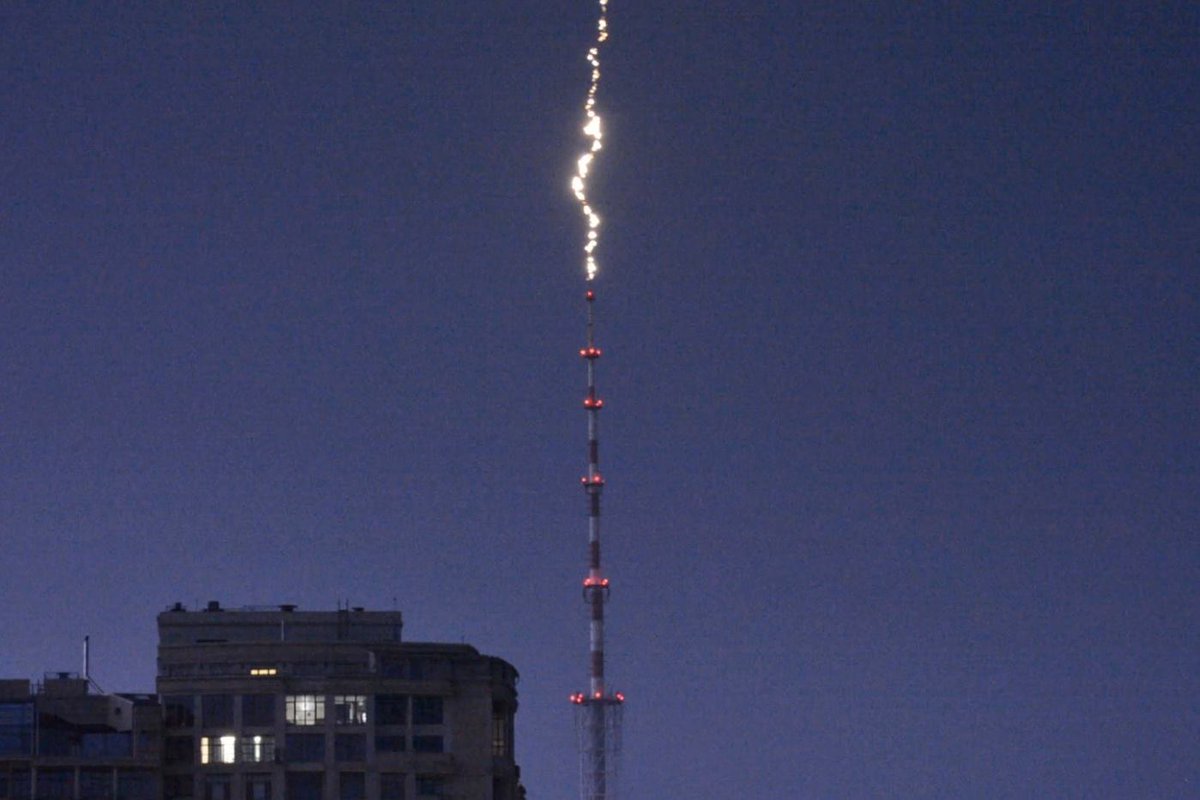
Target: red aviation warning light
{"type": "Point", "coordinates": [592, 480]}
{"type": "Point", "coordinates": [593, 402]}
{"type": "Point", "coordinates": [590, 352]}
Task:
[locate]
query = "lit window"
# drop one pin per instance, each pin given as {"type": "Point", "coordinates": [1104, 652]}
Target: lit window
{"type": "Point", "coordinates": [218, 749]}
{"type": "Point", "coordinates": [350, 709]}
{"type": "Point", "coordinates": [260, 672]}
{"type": "Point", "coordinates": [305, 709]}
{"type": "Point", "coordinates": [258, 749]}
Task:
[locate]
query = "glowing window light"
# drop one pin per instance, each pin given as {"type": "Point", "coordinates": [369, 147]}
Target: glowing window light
{"type": "Point", "coordinates": [305, 709]}
{"type": "Point", "coordinates": [258, 749]}
{"type": "Point", "coordinates": [218, 749]}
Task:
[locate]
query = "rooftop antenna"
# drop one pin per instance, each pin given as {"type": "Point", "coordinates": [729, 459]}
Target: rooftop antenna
{"type": "Point", "coordinates": [87, 665]}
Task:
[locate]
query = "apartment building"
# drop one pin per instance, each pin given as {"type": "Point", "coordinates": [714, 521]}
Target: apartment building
{"type": "Point", "coordinates": [60, 740]}
{"type": "Point", "coordinates": [282, 704]}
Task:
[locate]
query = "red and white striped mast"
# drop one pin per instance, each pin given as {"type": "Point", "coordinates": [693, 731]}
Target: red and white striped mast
{"type": "Point", "coordinates": [599, 710]}
{"type": "Point", "coordinates": [595, 584]}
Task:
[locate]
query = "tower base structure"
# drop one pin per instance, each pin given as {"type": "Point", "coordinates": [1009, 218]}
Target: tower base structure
{"type": "Point", "coordinates": [598, 723]}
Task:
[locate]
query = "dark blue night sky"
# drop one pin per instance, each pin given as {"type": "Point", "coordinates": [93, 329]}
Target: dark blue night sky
{"type": "Point", "coordinates": [900, 306]}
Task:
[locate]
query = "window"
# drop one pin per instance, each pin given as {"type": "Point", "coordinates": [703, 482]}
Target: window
{"type": "Point", "coordinates": [258, 787]}
{"type": "Point", "coordinates": [218, 749]}
{"type": "Point", "coordinates": [352, 786]}
{"type": "Point", "coordinates": [426, 669]}
{"type": "Point", "coordinates": [431, 786]}
{"type": "Point", "coordinates": [147, 743]}
{"type": "Point", "coordinates": [258, 710]}
{"type": "Point", "coordinates": [216, 787]}
{"type": "Point", "coordinates": [216, 710]}
{"type": "Point", "coordinates": [106, 745]}
{"type": "Point", "coordinates": [178, 787]}
{"type": "Point", "coordinates": [263, 672]}
{"type": "Point", "coordinates": [501, 736]}
{"type": "Point", "coordinates": [427, 744]}
{"type": "Point", "coordinates": [55, 739]}
{"type": "Point", "coordinates": [350, 709]}
{"type": "Point", "coordinates": [136, 784]}
{"type": "Point", "coordinates": [313, 668]}
{"type": "Point", "coordinates": [305, 785]}
{"type": "Point", "coordinates": [391, 709]}
{"type": "Point", "coordinates": [19, 782]}
{"type": "Point", "coordinates": [179, 711]}
{"type": "Point", "coordinates": [179, 750]}
{"type": "Point", "coordinates": [389, 743]}
{"type": "Point", "coordinates": [427, 710]}
{"type": "Point", "coordinates": [257, 749]}
{"type": "Point", "coordinates": [55, 784]}
{"type": "Point", "coordinates": [16, 729]}
{"type": "Point", "coordinates": [97, 784]}
{"type": "Point", "coordinates": [305, 709]}
{"type": "Point", "coordinates": [305, 747]}
{"type": "Point", "coordinates": [391, 786]}
{"type": "Point", "coordinates": [350, 747]}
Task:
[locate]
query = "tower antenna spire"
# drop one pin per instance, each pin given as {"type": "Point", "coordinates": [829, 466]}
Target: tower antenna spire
{"type": "Point", "coordinates": [599, 711]}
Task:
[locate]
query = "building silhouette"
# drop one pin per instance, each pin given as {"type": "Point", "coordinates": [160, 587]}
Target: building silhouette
{"type": "Point", "coordinates": [272, 703]}
{"type": "Point", "coordinates": [60, 741]}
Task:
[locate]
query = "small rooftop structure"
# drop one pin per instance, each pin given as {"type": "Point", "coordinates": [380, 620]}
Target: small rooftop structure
{"type": "Point", "coordinates": [284, 623]}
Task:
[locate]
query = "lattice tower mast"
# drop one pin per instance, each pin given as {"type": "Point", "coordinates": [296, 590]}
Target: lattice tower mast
{"type": "Point", "coordinates": [599, 711]}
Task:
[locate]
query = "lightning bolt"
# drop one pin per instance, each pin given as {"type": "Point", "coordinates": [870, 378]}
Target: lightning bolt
{"type": "Point", "coordinates": [594, 133]}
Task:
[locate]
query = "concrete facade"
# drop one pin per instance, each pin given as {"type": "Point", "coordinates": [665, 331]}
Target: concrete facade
{"type": "Point", "coordinates": [281, 704]}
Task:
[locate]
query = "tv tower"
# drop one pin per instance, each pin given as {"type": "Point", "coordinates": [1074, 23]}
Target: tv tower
{"type": "Point", "coordinates": [598, 711]}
